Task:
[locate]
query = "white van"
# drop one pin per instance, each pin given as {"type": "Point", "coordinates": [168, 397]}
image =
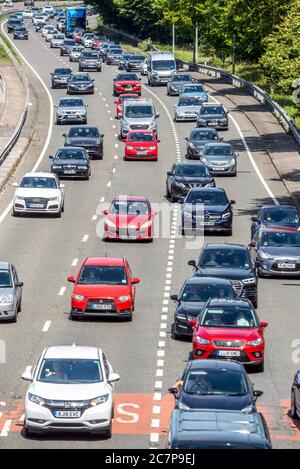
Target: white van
{"type": "Point", "coordinates": [160, 66]}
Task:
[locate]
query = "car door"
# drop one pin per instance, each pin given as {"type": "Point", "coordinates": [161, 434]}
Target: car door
{"type": "Point", "coordinates": [18, 290]}
{"type": "Point", "coordinates": [170, 178]}
{"type": "Point", "coordinates": [131, 286]}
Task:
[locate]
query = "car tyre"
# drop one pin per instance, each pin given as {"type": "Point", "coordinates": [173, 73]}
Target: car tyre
{"type": "Point", "coordinates": [20, 306]}
{"type": "Point", "coordinates": [168, 193]}
{"type": "Point", "coordinates": [174, 335]}
{"type": "Point", "coordinates": [108, 432]}
{"type": "Point", "coordinates": [29, 433]}
{"type": "Point", "coordinates": [14, 319]}
{"type": "Point", "coordinates": [15, 214]}
{"type": "Point", "coordinates": [261, 367]}
{"type": "Point", "coordinates": [294, 414]}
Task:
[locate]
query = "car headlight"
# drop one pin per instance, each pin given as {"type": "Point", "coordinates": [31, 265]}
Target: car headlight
{"type": "Point", "coordinates": [265, 255]}
{"type": "Point", "coordinates": [232, 162]}
{"type": "Point", "coordinates": [123, 298]}
{"type": "Point", "coordinates": [55, 166]}
{"type": "Point", "coordinates": [192, 146]}
{"type": "Point", "coordinates": [79, 297]}
{"type": "Point", "coordinates": [205, 161]}
{"type": "Point", "coordinates": [82, 112]}
{"type": "Point", "coordinates": [60, 113]}
{"type": "Point", "coordinates": [19, 199]}
{"type": "Point", "coordinates": [180, 184]}
{"type": "Point", "coordinates": [83, 166]}
{"type": "Point", "coordinates": [126, 125]}
{"type": "Point", "coordinates": [99, 400]}
{"type": "Point", "coordinates": [6, 299]}
{"type": "Point", "coordinates": [129, 147]}
{"type": "Point", "coordinates": [226, 214]}
{"type": "Point", "coordinates": [36, 399]}
{"type": "Point", "coordinates": [153, 147]}
{"type": "Point", "coordinates": [180, 316]}
{"type": "Point", "coordinates": [210, 184]}
{"type": "Point", "coordinates": [187, 215]}
{"type": "Point", "coordinates": [202, 341]}
{"type": "Point", "coordinates": [224, 119]}
{"type": "Point", "coordinates": [250, 280]}
{"type": "Point", "coordinates": [255, 342]}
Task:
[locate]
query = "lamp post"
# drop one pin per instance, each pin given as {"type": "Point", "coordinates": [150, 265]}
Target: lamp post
{"type": "Point", "coordinates": [173, 38]}
{"type": "Point", "coordinates": [233, 54]}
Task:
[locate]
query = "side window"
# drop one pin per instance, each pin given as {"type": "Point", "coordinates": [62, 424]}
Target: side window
{"type": "Point", "coordinates": [106, 368]}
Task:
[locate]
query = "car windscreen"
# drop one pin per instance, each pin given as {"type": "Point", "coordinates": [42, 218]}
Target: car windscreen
{"type": "Point", "coordinates": [220, 150]}
{"type": "Point", "coordinates": [229, 316]}
{"type": "Point", "coordinates": [70, 371]}
{"type": "Point", "coordinates": [127, 77]}
{"type": "Point", "coordinates": [83, 132]}
{"type": "Point", "coordinates": [70, 154]}
{"type": "Point", "coordinates": [21, 30]}
{"type": "Point", "coordinates": [188, 102]}
{"type": "Point", "coordinates": [62, 71]}
{"type": "Point", "coordinates": [207, 198]}
{"type": "Point", "coordinates": [89, 36]}
{"type": "Point", "coordinates": [137, 58]}
{"type": "Point", "coordinates": [277, 239]}
{"type": "Point", "coordinates": [163, 65]}
{"type": "Point", "coordinates": [224, 258]}
{"type": "Point", "coordinates": [80, 78]}
{"type": "Point", "coordinates": [181, 78]}
{"type": "Point", "coordinates": [69, 42]}
{"type": "Point", "coordinates": [141, 137]}
{"type": "Point", "coordinates": [59, 36]}
{"type": "Point", "coordinates": [90, 55]}
{"type": "Point", "coordinates": [215, 382]}
{"type": "Point", "coordinates": [5, 279]}
{"type": "Point", "coordinates": [209, 134]}
{"type": "Point", "coordinates": [280, 216]}
{"type": "Point", "coordinates": [71, 103]}
{"type": "Point", "coordinates": [38, 182]}
{"type": "Point", "coordinates": [102, 275]}
{"type": "Point", "coordinates": [115, 51]}
{"type": "Point", "coordinates": [193, 292]}
{"type": "Point", "coordinates": [189, 170]}
{"type": "Point", "coordinates": [129, 207]}
{"type": "Point", "coordinates": [139, 111]}
{"type": "Point", "coordinates": [193, 89]}
{"type": "Point", "coordinates": [212, 110]}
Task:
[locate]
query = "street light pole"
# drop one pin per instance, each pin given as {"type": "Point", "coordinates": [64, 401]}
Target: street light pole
{"type": "Point", "coordinates": [196, 45]}
{"type": "Point", "coordinates": [233, 54]}
{"type": "Point", "coordinates": [173, 38]}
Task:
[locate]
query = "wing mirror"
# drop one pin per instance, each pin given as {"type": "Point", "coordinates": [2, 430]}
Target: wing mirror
{"type": "Point", "coordinates": [192, 263]}
{"type": "Point", "coordinates": [252, 244]}
{"type": "Point", "coordinates": [157, 114]}
{"type": "Point", "coordinates": [173, 390]}
{"type": "Point", "coordinates": [193, 322]}
{"type": "Point", "coordinates": [232, 202]}
{"type": "Point", "coordinates": [257, 393]}
{"type": "Point", "coordinates": [27, 375]}
{"type": "Point", "coordinates": [105, 212]}
{"type": "Point", "coordinates": [62, 186]}
{"type": "Point", "coordinates": [174, 297]}
{"type": "Point", "coordinates": [135, 280]}
{"type": "Point", "coordinates": [169, 173]}
{"type": "Point", "coordinates": [50, 157]}
{"type": "Point", "coordinates": [19, 284]}
{"type": "Point", "coordinates": [71, 279]}
{"type": "Point", "coordinates": [254, 218]}
{"type": "Point", "coordinates": [113, 377]}
{"type": "Point", "coordinates": [264, 324]}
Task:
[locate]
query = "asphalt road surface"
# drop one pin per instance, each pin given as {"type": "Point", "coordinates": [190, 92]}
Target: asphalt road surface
{"type": "Point", "coordinates": [47, 250]}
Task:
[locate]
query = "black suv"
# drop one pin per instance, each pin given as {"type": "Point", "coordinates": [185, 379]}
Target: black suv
{"type": "Point", "coordinates": [198, 138]}
{"type": "Point", "coordinates": [60, 77]}
{"type": "Point", "coordinates": [81, 83]}
{"type": "Point", "coordinates": [231, 261]}
{"type": "Point", "coordinates": [71, 162]}
{"type": "Point", "coordinates": [183, 176]}
{"type": "Point", "coordinates": [87, 137]}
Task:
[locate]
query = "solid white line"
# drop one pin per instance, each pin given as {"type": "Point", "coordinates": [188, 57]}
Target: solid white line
{"type": "Point", "coordinates": [85, 238]}
{"type": "Point", "coordinates": [74, 262]}
{"type": "Point", "coordinates": [62, 291]}
{"type": "Point", "coordinates": [6, 428]}
{"type": "Point", "coordinates": [46, 326]}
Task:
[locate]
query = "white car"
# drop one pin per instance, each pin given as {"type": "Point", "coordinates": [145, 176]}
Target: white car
{"type": "Point", "coordinates": [50, 34]}
{"type": "Point", "coordinates": [46, 29]}
{"type": "Point", "coordinates": [38, 19]}
{"type": "Point", "coordinates": [8, 3]}
{"type": "Point", "coordinates": [144, 67]}
{"type": "Point", "coordinates": [48, 9]}
{"type": "Point", "coordinates": [39, 193]}
{"type": "Point", "coordinates": [71, 390]}
{"type": "Point", "coordinates": [27, 14]}
{"type": "Point", "coordinates": [88, 39]}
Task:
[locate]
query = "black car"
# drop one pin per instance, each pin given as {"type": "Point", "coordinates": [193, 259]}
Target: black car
{"type": "Point", "coordinates": [60, 77]}
{"type": "Point", "coordinates": [87, 137]}
{"type": "Point", "coordinates": [81, 83]}
{"type": "Point", "coordinates": [198, 139]}
{"type": "Point", "coordinates": [214, 384]}
{"type": "Point", "coordinates": [113, 55]}
{"type": "Point", "coordinates": [271, 216]}
{"type": "Point", "coordinates": [218, 429]}
{"type": "Point", "coordinates": [67, 46]}
{"type": "Point", "coordinates": [20, 33]}
{"type": "Point", "coordinates": [134, 62]}
{"type": "Point", "coordinates": [231, 261]}
{"type": "Point", "coordinates": [295, 397]}
{"type": "Point", "coordinates": [123, 60]}
{"type": "Point", "coordinates": [192, 297]}
{"type": "Point", "coordinates": [213, 115]}
{"type": "Point", "coordinates": [13, 23]}
{"type": "Point", "coordinates": [184, 176]}
{"type": "Point", "coordinates": [207, 209]}
{"type": "Point", "coordinates": [71, 162]}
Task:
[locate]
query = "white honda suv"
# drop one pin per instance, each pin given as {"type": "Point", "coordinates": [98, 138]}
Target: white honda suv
{"type": "Point", "coordinates": [39, 193]}
{"type": "Point", "coordinates": [71, 390]}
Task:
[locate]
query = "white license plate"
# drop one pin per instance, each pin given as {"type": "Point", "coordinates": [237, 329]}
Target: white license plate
{"type": "Point", "coordinates": [128, 88]}
{"type": "Point", "coordinates": [218, 169]}
{"type": "Point", "coordinates": [228, 353]}
{"type": "Point", "coordinates": [36, 206]}
{"type": "Point", "coordinates": [101, 306]}
{"type": "Point", "coordinates": [213, 123]}
{"type": "Point", "coordinates": [284, 265]}
{"type": "Point", "coordinates": [69, 171]}
{"type": "Point", "coordinates": [142, 153]}
{"type": "Point", "coordinates": [69, 414]}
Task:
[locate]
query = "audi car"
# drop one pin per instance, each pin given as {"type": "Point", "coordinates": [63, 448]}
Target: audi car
{"type": "Point", "coordinates": [71, 162]}
{"type": "Point", "coordinates": [184, 176]}
{"type": "Point", "coordinates": [127, 83]}
{"type": "Point", "coordinates": [141, 145]}
{"type": "Point", "coordinates": [81, 83]}
{"type": "Point", "coordinates": [60, 77]}
{"type": "Point", "coordinates": [220, 158]}
{"type": "Point", "coordinates": [212, 115]}
{"type": "Point", "coordinates": [197, 140]}
{"type": "Point", "coordinates": [87, 137]}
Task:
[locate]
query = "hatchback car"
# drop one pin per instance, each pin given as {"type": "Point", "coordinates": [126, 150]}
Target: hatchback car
{"type": "Point", "coordinates": [207, 209]}
{"type": "Point", "coordinates": [212, 115]}
{"type": "Point", "coordinates": [20, 33]}
{"type": "Point", "coordinates": [187, 109]}
{"type": "Point", "coordinates": [71, 389]}
{"type": "Point", "coordinates": [129, 218]}
{"type": "Point", "coordinates": [71, 162]}
{"type": "Point", "coordinates": [184, 176]}
{"type": "Point", "coordinates": [177, 82]}
{"type": "Point", "coordinates": [67, 46]}
{"type": "Point", "coordinates": [103, 287]}
{"type": "Point", "coordinates": [275, 216]}
{"type": "Point", "coordinates": [10, 292]}
{"type": "Point", "coordinates": [57, 41]}
{"type": "Point", "coordinates": [87, 137]}
{"type": "Point", "coordinates": [220, 158]}
{"type": "Point", "coordinates": [50, 34]}
{"type": "Point", "coordinates": [71, 110]}
{"type": "Point", "coordinates": [81, 83]}
{"type": "Point", "coordinates": [12, 24]}
{"type": "Point", "coordinates": [229, 329]}
{"type": "Point", "coordinates": [141, 145]}
{"type": "Point", "coordinates": [120, 101]}
{"type": "Point", "coordinates": [90, 60]}
{"type": "Point", "coordinates": [60, 77]}
{"type": "Point", "coordinates": [87, 39]}
{"type": "Point", "coordinates": [193, 296]}
{"type": "Point", "coordinates": [127, 83]}
{"type": "Point", "coordinates": [134, 62]}
{"type": "Point", "coordinates": [196, 90]}
{"type": "Point", "coordinates": [197, 140]}
{"type": "Point", "coordinates": [75, 53]}
{"type": "Point", "coordinates": [113, 55]}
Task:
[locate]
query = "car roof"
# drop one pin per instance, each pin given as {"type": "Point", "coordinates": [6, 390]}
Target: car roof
{"type": "Point", "coordinates": [135, 198]}
{"type": "Point", "coordinates": [140, 102]}
{"type": "Point", "coordinates": [72, 351]}
{"type": "Point", "coordinates": [4, 265]}
{"type": "Point", "coordinates": [109, 261]}
{"type": "Point", "coordinates": [39, 174]}
{"type": "Point", "coordinates": [280, 229]}
{"type": "Point", "coordinates": [209, 189]}
{"type": "Point", "coordinates": [205, 280]}
{"type": "Point", "coordinates": [215, 364]}
{"type": "Point", "coordinates": [229, 302]}
{"type": "Point", "coordinates": [241, 247]}
{"type": "Point", "coordinates": [212, 105]}
{"type": "Point", "coordinates": [218, 144]}
{"type": "Point", "coordinates": [278, 207]}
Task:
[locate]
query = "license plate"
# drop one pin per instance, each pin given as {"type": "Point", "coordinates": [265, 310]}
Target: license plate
{"type": "Point", "coordinates": [212, 123]}
{"type": "Point", "coordinates": [284, 265]}
{"type": "Point", "coordinates": [218, 169]}
{"type": "Point", "coordinates": [101, 307]}
{"type": "Point", "coordinates": [69, 171]}
{"type": "Point", "coordinates": [69, 414]}
{"type": "Point", "coordinates": [36, 206]}
{"type": "Point", "coordinates": [142, 153]}
{"type": "Point", "coordinates": [128, 88]}
{"type": "Point", "coordinates": [228, 353]}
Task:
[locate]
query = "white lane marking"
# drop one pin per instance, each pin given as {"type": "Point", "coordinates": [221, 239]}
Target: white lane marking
{"type": "Point", "coordinates": [156, 409]}
{"type": "Point", "coordinates": [46, 326]}
{"type": "Point", "coordinates": [154, 437]}
{"type": "Point", "coordinates": [108, 184]}
{"type": "Point", "coordinates": [160, 353]}
{"type": "Point", "coordinates": [160, 363]}
{"type": "Point", "coordinates": [6, 428]}
{"type": "Point", "coordinates": [85, 238]}
{"type": "Point", "coordinates": [74, 262]}
{"type": "Point", "coordinates": [159, 373]}
{"type": "Point", "coordinates": [116, 145]}
{"type": "Point", "coordinates": [157, 396]}
{"type": "Point", "coordinates": [102, 199]}
{"type": "Point", "coordinates": [155, 423]}
{"type": "Point", "coordinates": [62, 291]}
{"type": "Point", "coordinates": [37, 163]}
{"type": "Point", "coordinates": [162, 334]}
{"type": "Point", "coordinates": [158, 384]}
{"type": "Point", "coordinates": [94, 217]}
{"type": "Point", "coordinates": [114, 170]}
{"type": "Point", "coordinates": [116, 157]}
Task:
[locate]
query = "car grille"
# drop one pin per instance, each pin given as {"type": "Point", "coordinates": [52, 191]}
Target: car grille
{"type": "Point", "coordinates": [237, 286]}
{"type": "Point", "coordinates": [229, 343]}
{"type": "Point", "coordinates": [36, 201]}
{"type": "Point", "coordinates": [106, 302]}
{"type": "Point", "coordinates": [219, 163]}
{"type": "Point", "coordinates": [208, 217]}
{"type": "Point", "coordinates": [195, 184]}
{"type": "Point", "coordinates": [67, 405]}
{"type": "Point", "coordinates": [139, 126]}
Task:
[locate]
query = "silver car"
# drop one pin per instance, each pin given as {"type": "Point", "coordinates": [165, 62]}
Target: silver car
{"type": "Point", "coordinates": [187, 109]}
{"type": "Point", "coordinates": [75, 53]}
{"type": "Point", "coordinates": [57, 41]}
{"type": "Point", "coordinates": [196, 90]}
{"type": "Point", "coordinates": [71, 110]}
{"type": "Point", "coordinates": [138, 115]}
{"type": "Point", "coordinates": [176, 83]}
{"type": "Point", "coordinates": [90, 60]}
{"type": "Point", "coordinates": [10, 292]}
{"type": "Point", "coordinates": [220, 159]}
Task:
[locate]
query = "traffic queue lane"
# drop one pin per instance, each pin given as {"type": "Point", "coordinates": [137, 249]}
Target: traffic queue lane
{"type": "Point", "coordinates": [56, 243]}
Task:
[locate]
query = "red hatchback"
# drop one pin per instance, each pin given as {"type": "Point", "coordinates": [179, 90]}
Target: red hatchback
{"type": "Point", "coordinates": [119, 102]}
{"type": "Point", "coordinates": [229, 329]}
{"type": "Point", "coordinates": [97, 42]}
{"type": "Point", "coordinates": [103, 287]}
{"type": "Point", "coordinates": [127, 83]}
{"type": "Point", "coordinates": [141, 145]}
{"type": "Point", "coordinates": [77, 36]}
{"type": "Point", "coordinates": [129, 218]}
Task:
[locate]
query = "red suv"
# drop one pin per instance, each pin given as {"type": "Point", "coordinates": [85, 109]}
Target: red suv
{"type": "Point", "coordinates": [103, 287]}
{"type": "Point", "coordinates": [141, 145]}
{"type": "Point", "coordinates": [229, 329]}
{"type": "Point", "coordinates": [120, 100]}
{"type": "Point", "coordinates": [127, 82]}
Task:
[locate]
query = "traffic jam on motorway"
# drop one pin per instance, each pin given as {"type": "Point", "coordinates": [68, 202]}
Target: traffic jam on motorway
{"type": "Point", "coordinates": [72, 387]}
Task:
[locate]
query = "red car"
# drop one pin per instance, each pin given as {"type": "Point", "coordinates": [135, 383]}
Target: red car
{"type": "Point", "coordinates": [77, 36]}
{"type": "Point", "coordinates": [229, 329]}
{"type": "Point", "coordinates": [103, 287]}
{"type": "Point", "coordinates": [97, 42]}
{"type": "Point", "coordinates": [120, 100]}
{"type": "Point", "coordinates": [127, 82]}
{"type": "Point", "coordinates": [129, 218]}
{"type": "Point", "coordinates": [141, 145]}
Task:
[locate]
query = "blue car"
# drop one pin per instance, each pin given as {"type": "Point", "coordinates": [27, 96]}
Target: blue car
{"type": "Point", "coordinates": [195, 90]}
{"type": "Point", "coordinates": [271, 216]}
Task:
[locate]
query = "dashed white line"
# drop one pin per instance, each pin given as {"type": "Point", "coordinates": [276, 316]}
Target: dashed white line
{"type": "Point", "coordinates": [46, 326]}
{"type": "Point", "coordinates": [74, 262]}
{"type": "Point", "coordinates": [62, 291]}
{"type": "Point", "coordinates": [6, 428]}
{"type": "Point", "coordinates": [85, 238]}
{"type": "Point", "coordinates": [108, 184]}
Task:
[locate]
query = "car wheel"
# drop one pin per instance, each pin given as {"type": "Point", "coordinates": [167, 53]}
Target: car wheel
{"type": "Point", "coordinates": [168, 193]}
{"type": "Point", "coordinates": [58, 215]}
{"type": "Point", "coordinates": [259, 272]}
{"type": "Point", "coordinates": [229, 232]}
{"type": "Point", "coordinates": [260, 368]}
{"type": "Point", "coordinates": [84, 122]}
{"type": "Point", "coordinates": [255, 303]}
{"type": "Point", "coordinates": [19, 306]}
{"type": "Point", "coordinates": [174, 335]}
{"type": "Point", "coordinates": [15, 214]}
{"type": "Point", "coordinates": [294, 414]}
{"type": "Point", "coordinates": [173, 199]}
{"type": "Point", "coordinates": [108, 432]}
{"type": "Point", "coordinates": [57, 122]}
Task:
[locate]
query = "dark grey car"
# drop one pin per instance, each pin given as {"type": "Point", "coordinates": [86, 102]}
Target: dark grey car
{"type": "Point", "coordinates": [10, 292]}
{"type": "Point", "coordinates": [176, 83]}
{"type": "Point", "coordinates": [67, 46]}
{"type": "Point", "coordinates": [197, 139]}
{"type": "Point", "coordinates": [87, 137]}
{"type": "Point", "coordinates": [134, 62]}
{"type": "Point", "coordinates": [71, 162]}
{"type": "Point", "coordinates": [184, 176]}
{"type": "Point", "coordinates": [213, 115]}
{"type": "Point", "coordinates": [90, 60]}
{"type": "Point", "coordinates": [220, 158]}
{"type": "Point", "coordinates": [113, 55]}
{"type": "Point", "coordinates": [81, 83]}
{"type": "Point", "coordinates": [60, 77]}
